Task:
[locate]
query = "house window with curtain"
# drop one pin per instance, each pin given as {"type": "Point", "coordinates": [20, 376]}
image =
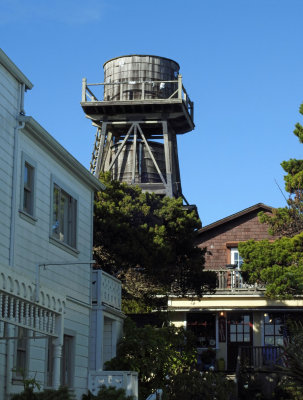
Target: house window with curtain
{"type": "Point", "coordinates": [237, 261]}
{"type": "Point", "coordinates": [28, 188]}
{"type": "Point", "coordinates": [64, 216]}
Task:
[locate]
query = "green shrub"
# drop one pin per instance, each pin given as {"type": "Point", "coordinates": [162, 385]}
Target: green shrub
{"type": "Point", "coordinates": [48, 394]}
{"type": "Point", "coordinates": [194, 385]}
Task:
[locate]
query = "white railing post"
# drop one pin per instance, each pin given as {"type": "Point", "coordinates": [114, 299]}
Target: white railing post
{"type": "Point", "coordinates": [84, 81]}
{"type": "Point", "coordinates": [179, 86]}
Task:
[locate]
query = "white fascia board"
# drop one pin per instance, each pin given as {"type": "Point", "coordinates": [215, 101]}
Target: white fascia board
{"type": "Point", "coordinates": [14, 70]}
{"type": "Point", "coordinates": [37, 132]}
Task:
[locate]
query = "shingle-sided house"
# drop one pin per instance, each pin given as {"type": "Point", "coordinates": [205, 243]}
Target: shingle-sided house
{"type": "Point", "coordinates": [47, 287]}
{"type": "Point", "coordinates": [237, 314]}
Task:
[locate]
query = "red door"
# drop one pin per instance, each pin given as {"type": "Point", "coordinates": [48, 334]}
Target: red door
{"type": "Point", "coordinates": [239, 333]}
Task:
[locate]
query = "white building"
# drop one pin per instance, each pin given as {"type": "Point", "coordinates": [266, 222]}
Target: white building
{"type": "Point", "coordinates": [46, 208]}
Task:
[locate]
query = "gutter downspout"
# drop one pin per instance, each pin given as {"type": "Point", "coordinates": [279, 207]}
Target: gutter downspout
{"type": "Point", "coordinates": [9, 327]}
{"type": "Point", "coordinates": [14, 176]}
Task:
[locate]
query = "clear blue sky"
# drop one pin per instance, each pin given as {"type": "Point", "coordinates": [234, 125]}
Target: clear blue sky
{"type": "Point", "coordinates": [241, 61]}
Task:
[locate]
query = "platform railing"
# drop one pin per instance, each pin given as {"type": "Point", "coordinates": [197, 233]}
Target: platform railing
{"type": "Point", "coordinates": [140, 87]}
{"type": "Point", "coordinates": [106, 289]}
{"type": "Point", "coordinates": [232, 280]}
{"type": "Point", "coordinates": [258, 358]}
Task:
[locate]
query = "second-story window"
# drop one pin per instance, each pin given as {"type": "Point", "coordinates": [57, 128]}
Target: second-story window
{"type": "Point", "coordinates": [28, 178]}
{"type": "Point", "coordinates": [28, 195]}
{"type": "Point", "coordinates": [237, 260]}
{"type": "Point", "coordinates": [64, 216]}
{"type": "Point", "coordinates": [235, 257]}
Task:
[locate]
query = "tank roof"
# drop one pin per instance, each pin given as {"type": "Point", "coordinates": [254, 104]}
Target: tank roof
{"type": "Point", "coordinates": [141, 55]}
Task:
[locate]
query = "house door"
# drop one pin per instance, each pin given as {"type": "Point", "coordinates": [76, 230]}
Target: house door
{"type": "Point", "coordinates": [239, 333]}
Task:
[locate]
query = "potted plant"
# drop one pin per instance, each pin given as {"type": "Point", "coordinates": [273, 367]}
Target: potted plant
{"type": "Point", "coordinates": [208, 358]}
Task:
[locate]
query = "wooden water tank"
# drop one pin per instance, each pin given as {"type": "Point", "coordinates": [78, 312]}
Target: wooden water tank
{"type": "Point", "coordinates": [137, 68]}
{"type": "Point", "coordinates": [145, 171]}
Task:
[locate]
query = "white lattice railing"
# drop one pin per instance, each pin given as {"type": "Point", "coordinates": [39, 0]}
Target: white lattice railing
{"type": "Point", "coordinates": [106, 289]}
{"type": "Point", "coordinates": [18, 305]}
{"type": "Point", "coordinates": [28, 315]}
{"type": "Point", "coordinates": [127, 380]}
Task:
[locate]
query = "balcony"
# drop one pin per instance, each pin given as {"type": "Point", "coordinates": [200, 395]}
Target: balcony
{"type": "Point", "coordinates": [106, 290]}
{"type": "Point", "coordinates": [230, 280]}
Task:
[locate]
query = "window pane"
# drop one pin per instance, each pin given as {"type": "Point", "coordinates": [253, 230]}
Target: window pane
{"type": "Point", "coordinates": [247, 337]}
{"type": "Point", "coordinates": [233, 328]}
{"type": "Point", "coordinates": [279, 341]}
{"type": "Point", "coordinates": [269, 340]}
{"type": "Point", "coordinates": [246, 328]}
{"type": "Point", "coordinates": [56, 223]}
{"type": "Point", "coordinates": [64, 217]}
{"type": "Point", "coordinates": [240, 328]}
{"type": "Point", "coordinates": [233, 337]}
{"type": "Point", "coordinates": [269, 329]}
{"type": "Point", "coordinates": [28, 178]}
{"type": "Point", "coordinates": [239, 337]}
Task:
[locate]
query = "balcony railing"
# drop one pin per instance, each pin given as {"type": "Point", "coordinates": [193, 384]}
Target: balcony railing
{"type": "Point", "coordinates": [106, 290]}
{"type": "Point", "coordinates": [127, 380]}
{"type": "Point", "coordinates": [231, 280]}
{"type": "Point", "coordinates": [260, 358]}
{"type": "Point", "coordinates": [138, 90]}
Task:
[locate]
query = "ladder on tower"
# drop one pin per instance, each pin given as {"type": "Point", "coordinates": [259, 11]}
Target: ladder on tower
{"type": "Point", "coordinates": [95, 153]}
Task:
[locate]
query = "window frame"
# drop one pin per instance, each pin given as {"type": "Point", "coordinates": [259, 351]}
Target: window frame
{"type": "Point", "coordinates": [28, 214]}
{"type": "Point", "coordinates": [49, 362]}
{"type": "Point", "coordinates": [71, 245]}
{"type": "Point", "coordinates": [203, 323]}
{"type": "Point", "coordinates": [17, 376]}
{"type": "Point", "coordinates": [68, 359]}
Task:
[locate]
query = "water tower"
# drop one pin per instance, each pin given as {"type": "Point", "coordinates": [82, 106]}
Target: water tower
{"type": "Point", "coordinates": [139, 110]}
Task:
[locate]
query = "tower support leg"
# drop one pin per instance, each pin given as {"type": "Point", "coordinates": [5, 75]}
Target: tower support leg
{"type": "Point", "coordinates": [168, 159]}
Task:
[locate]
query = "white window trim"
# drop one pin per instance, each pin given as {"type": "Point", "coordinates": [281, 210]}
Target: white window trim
{"type": "Point", "coordinates": [70, 192]}
{"type": "Point", "coordinates": [18, 379]}
{"type": "Point", "coordinates": [30, 217]}
{"type": "Point", "coordinates": [72, 367]}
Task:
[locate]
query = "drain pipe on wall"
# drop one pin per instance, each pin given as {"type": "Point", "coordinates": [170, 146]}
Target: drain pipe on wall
{"type": "Point", "coordinates": [10, 328]}
{"type": "Point", "coordinates": [20, 125]}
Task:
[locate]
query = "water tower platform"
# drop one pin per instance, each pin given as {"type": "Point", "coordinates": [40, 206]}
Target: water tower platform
{"type": "Point", "coordinates": [135, 101]}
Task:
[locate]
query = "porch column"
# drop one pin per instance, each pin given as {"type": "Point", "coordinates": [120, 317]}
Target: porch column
{"type": "Point", "coordinates": [99, 339]}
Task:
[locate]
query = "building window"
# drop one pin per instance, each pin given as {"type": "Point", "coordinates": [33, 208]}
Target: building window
{"type": "Point", "coordinates": [240, 328]}
{"type": "Point", "coordinates": [236, 260]}
{"type": "Point", "coordinates": [203, 325]}
{"type": "Point", "coordinates": [21, 353]}
{"type": "Point", "coordinates": [28, 179]}
{"type": "Point", "coordinates": [275, 329]}
{"type": "Point", "coordinates": [235, 257]}
{"type": "Point", "coordinates": [49, 363]}
{"type": "Point", "coordinates": [64, 216]}
{"type": "Point", "coordinates": [67, 361]}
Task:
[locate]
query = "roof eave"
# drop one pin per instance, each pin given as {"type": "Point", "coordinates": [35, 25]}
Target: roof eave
{"type": "Point", "coordinates": [56, 149]}
{"type": "Point", "coordinates": [14, 70]}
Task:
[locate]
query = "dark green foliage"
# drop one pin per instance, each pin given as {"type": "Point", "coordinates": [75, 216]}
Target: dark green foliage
{"type": "Point", "coordinates": [148, 242]}
{"type": "Point", "coordinates": [48, 394]}
{"type": "Point", "coordinates": [108, 393]}
{"type": "Point", "coordinates": [155, 353]}
{"type": "Point", "coordinates": [278, 265]}
{"type": "Point", "coordinates": [194, 385]}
